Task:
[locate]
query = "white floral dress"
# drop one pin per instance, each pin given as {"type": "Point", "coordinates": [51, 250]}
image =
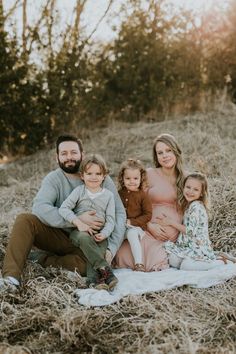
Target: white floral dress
{"type": "Point", "coordinates": [195, 243]}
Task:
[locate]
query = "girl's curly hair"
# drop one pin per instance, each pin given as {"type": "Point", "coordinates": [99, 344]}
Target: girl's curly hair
{"type": "Point", "coordinates": [132, 164]}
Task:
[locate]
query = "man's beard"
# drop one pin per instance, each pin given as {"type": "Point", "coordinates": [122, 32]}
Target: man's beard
{"type": "Point", "coordinates": [70, 169]}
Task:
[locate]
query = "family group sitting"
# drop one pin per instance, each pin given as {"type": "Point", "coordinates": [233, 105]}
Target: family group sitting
{"type": "Point", "coordinates": [79, 221]}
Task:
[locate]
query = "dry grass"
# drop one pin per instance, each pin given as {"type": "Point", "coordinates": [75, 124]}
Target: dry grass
{"type": "Point", "coordinates": [46, 318]}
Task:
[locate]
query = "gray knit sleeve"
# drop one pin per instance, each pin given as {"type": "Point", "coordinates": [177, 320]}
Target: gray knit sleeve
{"type": "Point", "coordinates": [44, 204]}
{"type": "Point", "coordinates": [117, 236]}
{"type": "Point", "coordinates": [110, 217]}
{"type": "Point", "coordinates": [66, 209]}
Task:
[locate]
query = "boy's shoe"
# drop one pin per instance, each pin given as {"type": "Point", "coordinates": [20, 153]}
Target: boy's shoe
{"type": "Point", "coordinates": [108, 277]}
{"type": "Point", "coordinates": [100, 286]}
{"type": "Point", "coordinates": [97, 283]}
{"type": "Point", "coordinates": [7, 286]}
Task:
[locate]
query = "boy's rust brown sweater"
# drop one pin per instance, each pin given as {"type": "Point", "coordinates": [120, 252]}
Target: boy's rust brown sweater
{"type": "Point", "coordinates": [138, 207]}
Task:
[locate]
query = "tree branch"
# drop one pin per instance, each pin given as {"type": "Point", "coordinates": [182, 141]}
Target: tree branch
{"type": "Point", "coordinates": [100, 20]}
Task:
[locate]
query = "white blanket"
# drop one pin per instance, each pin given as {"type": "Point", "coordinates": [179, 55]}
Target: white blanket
{"type": "Point", "coordinates": [131, 282]}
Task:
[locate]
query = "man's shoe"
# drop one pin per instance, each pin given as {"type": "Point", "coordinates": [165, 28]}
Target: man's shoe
{"type": "Point", "coordinates": [8, 286]}
{"type": "Point", "coordinates": [108, 277]}
{"type": "Point", "coordinates": [38, 256]}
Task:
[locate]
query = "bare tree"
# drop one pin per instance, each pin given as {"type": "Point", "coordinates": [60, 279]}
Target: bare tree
{"type": "Point", "coordinates": [50, 22]}
{"type": "Point", "coordinates": [24, 23]}
{"type": "Point", "coordinates": [1, 17]}
{"type": "Point", "coordinates": [76, 28]}
{"type": "Point", "coordinates": [12, 9]}
{"type": "Point", "coordinates": [34, 31]}
{"type": "Point", "coordinates": [100, 20]}
{"type": "Point", "coordinates": [4, 16]}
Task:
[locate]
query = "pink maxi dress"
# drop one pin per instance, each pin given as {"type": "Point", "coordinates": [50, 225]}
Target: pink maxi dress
{"type": "Point", "coordinates": [163, 197]}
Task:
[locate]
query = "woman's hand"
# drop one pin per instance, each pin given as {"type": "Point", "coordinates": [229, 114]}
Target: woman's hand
{"type": "Point", "coordinates": [90, 218]}
{"type": "Point", "coordinates": [164, 220]}
{"type": "Point", "coordinates": [158, 231]}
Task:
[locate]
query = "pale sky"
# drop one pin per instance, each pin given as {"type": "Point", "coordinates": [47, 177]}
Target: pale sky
{"type": "Point", "coordinates": [95, 9]}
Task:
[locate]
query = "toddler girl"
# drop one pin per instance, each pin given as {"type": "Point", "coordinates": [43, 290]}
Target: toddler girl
{"type": "Point", "coordinates": [92, 196]}
{"type": "Point", "coordinates": [193, 250]}
{"type": "Point", "coordinates": [132, 180]}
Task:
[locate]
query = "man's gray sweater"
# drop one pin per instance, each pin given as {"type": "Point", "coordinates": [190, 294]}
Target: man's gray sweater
{"type": "Point", "coordinates": [56, 187]}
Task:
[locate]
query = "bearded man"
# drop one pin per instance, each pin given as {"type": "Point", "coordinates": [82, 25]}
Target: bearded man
{"type": "Point", "coordinates": [45, 229]}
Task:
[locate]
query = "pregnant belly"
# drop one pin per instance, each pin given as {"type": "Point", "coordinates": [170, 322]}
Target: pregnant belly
{"type": "Point", "coordinates": [171, 212]}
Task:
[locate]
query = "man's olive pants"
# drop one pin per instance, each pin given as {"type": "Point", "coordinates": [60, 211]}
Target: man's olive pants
{"type": "Point", "coordinates": [29, 231]}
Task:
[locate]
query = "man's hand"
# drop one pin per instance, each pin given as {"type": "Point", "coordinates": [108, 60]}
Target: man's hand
{"type": "Point", "coordinates": [99, 237]}
{"type": "Point", "coordinates": [82, 227]}
{"type": "Point", "coordinates": [90, 218]}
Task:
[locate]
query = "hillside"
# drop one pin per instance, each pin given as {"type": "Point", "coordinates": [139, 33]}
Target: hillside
{"type": "Point", "coordinates": [47, 319]}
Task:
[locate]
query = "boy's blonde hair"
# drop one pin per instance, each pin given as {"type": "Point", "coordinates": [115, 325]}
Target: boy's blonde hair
{"type": "Point", "coordinates": [132, 164]}
{"type": "Point", "coordinates": [93, 159]}
{"type": "Point", "coordinates": [204, 197]}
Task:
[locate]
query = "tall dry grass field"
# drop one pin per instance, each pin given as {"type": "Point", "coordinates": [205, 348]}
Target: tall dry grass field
{"type": "Point", "coordinates": [46, 318]}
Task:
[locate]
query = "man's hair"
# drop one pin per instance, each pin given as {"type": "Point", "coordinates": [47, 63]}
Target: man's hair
{"type": "Point", "coordinates": [68, 137]}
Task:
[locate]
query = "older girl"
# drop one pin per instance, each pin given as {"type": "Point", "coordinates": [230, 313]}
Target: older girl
{"type": "Point", "coordinates": [193, 249]}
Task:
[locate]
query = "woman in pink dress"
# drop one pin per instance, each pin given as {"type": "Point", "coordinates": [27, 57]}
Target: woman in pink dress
{"type": "Point", "coordinates": [165, 190]}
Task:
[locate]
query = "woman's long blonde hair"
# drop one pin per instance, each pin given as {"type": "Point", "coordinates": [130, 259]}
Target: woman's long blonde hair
{"type": "Point", "coordinates": [170, 141]}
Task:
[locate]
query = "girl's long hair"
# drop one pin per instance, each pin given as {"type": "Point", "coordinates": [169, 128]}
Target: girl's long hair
{"type": "Point", "coordinates": [132, 164]}
{"type": "Point", "coordinates": [170, 141]}
{"type": "Point", "coordinates": [204, 197]}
